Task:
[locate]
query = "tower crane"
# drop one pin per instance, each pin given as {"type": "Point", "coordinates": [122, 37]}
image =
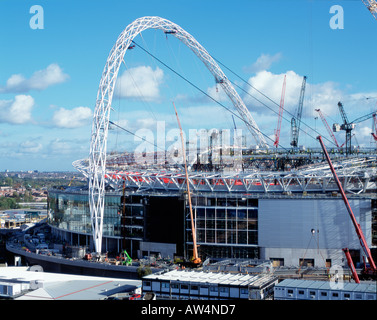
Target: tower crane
{"type": "Point", "coordinates": [372, 7]}
{"type": "Point", "coordinates": [281, 108]}
{"type": "Point", "coordinates": [296, 121]}
{"type": "Point", "coordinates": [370, 271]}
{"type": "Point", "coordinates": [366, 117]}
{"type": "Point", "coordinates": [327, 127]}
{"type": "Point", "coordinates": [346, 126]}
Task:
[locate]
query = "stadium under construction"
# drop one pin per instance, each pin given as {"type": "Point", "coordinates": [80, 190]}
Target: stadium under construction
{"type": "Point", "coordinates": [228, 201]}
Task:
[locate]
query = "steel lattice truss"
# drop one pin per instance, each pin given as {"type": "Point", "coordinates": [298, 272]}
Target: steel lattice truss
{"type": "Point", "coordinates": [97, 156]}
{"type": "Point", "coordinates": [372, 7]}
{"type": "Point", "coordinates": [358, 176]}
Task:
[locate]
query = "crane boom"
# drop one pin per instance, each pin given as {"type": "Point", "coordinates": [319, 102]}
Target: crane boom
{"type": "Point", "coordinates": [295, 122]}
{"type": "Point", "coordinates": [365, 117]}
{"type": "Point", "coordinates": [327, 127]}
{"type": "Point", "coordinates": [357, 227]}
{"type": "Point", "coordinates": [281, 108]}
{"type": "Point", "coordinates": [196, 260]}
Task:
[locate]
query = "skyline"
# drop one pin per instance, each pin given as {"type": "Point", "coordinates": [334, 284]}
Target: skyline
{"type": "Point", "coordinates": [50, 76]}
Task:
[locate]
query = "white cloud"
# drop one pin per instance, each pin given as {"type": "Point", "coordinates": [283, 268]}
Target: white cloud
{"type": "Point", "coordinates": [263, 62]}
{"type": "Point", "coordinates": [30, 146]}
{"type": "Point", "coordinates": [40, 80]}
{"type": "Point", "coordinates": [271, 85]}
{"type": "Point", "coordinates": [17, 111]}
{"type": "Point", "coordinates": [324, 96]}
{"type": "Point", "coordinates": [74, 118]}
{"type": "Point", "coordinates": [141, 83]}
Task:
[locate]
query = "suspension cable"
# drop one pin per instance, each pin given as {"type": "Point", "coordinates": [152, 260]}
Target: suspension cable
{"type": "Point", "coordinates": [205, 93]}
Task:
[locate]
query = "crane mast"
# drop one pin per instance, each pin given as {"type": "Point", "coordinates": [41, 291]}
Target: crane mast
{"type": "Point", "coordinates": [281, 108]}
{"type": "Point", "coordinates": [296, 121]}
{"type": "Point", "coordinates": [346, 126]}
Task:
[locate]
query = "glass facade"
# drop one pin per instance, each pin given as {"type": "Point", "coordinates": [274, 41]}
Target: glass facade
{"type": "Point", "coordinates": [70, 211]}
{"type": "Point", "coordinates": [225, 227]}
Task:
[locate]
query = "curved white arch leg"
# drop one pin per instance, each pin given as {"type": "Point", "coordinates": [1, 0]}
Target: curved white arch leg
{"type": "Point", "coordinates": [97, 156]}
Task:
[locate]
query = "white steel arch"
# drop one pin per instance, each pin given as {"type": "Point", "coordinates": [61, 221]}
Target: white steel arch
{"type": "Point", "coordinates": [97, 156]}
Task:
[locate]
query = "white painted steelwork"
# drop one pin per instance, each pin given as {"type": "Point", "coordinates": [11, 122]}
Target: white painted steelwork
{"type": "Point", "coordinates": [98, 146]}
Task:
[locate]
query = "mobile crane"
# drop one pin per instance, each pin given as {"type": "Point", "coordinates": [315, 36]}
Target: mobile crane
{"type": "Point", "coordinates": [195, 260]}
{"type": "Point", "coordinates": [368, 271]}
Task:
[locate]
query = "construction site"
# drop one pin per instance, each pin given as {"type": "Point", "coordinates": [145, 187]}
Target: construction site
{"type": "Point", "coordinates": [248, 211]}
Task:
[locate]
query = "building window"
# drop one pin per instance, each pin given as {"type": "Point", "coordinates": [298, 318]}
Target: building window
{"type": "Point", "coordinates": [301, 292]}
{"type": "Point", "coordinates": [323, 294]}
{"type": "Point", "coordinates": [165, 285]}
{"type": "Point", "coordinates": [347, 296]}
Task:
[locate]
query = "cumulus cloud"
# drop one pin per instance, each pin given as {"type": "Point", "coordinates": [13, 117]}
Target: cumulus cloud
{"type": "Point", "coordinates": [324, 96]}
{"type": "Point", "coordinates": [40, 80]}
{"type": "Point", "coordinates": [17, 111]}
{"type": "Point", "coordinates": [271, 85]}
{"type": "Point", "coordinates": [74, 118]}
{"type": "Point", "coordinates": [263, 62]}
{"type": "Point", "coordinates": [141, 83]}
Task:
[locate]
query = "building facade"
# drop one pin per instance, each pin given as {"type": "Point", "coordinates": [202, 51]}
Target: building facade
{"type": "Point", "coordinates": [308, 230]}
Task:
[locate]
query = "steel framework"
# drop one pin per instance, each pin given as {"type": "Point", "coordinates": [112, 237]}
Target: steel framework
{"type": "Point", "coordinates": [372, 7]}
{"type": "Point", "coordinates": [358, 175]}
{"type": "Point", "coordinates": [98, 146]}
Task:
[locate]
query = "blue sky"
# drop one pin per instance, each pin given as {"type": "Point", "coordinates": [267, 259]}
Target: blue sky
{"type": "Point", "coordinates": [49, 77]}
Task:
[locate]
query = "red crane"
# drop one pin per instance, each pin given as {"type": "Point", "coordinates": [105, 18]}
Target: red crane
{"type": "Point", "coordinates": [327, 127]}
{"type": "Point", "coordinates": [367, 271]}
{"type": "Point", "coordinates": [277, 132]}
{"type": "Point", "coordinates": [374, 134]}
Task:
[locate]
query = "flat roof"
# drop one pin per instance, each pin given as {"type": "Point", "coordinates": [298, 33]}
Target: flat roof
{"type": "Point", "coordinates": [329, 285]}
{"type": "Point", "coordinates": [57, 286]}
{"type": "Point", "coordinates": [237, 279]}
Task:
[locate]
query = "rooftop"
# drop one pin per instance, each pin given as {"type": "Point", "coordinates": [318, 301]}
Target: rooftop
{"type": "Point", "coordinates": [213, 278]}
{"type": "Point", "coordinates": [57, 286]}
{"type": "Point", "coordinates": [327, 285]}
